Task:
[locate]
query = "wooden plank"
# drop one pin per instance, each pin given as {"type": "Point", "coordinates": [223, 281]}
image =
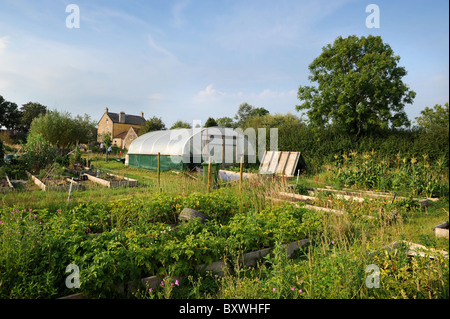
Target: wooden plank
{"type": "Point", "coordinates": [266, 161]}
{"type": "Point", "coordinates": [284, 156]}
{"type": "Point", "coordinates": [124, 177]}
{"type": "Point", "coordinates": [414, 250]}
{"type": "Point", "coordinates": [291, 165]}
{"type": "Point", "coordinates": [274, 162]}
{"type": "Point", "coordinates": [98, 180]}
{"type": "Point", "coordinates": [70, 180]}
{"type": "Point", "coordinates": [36, 181]}
{"type": "Point", "coordinates": [324, 209]}
{"type": "Point", "coordinates": [315, 208]}
{"type": "Point", "coordinates": [9, 182]}
{"type": "Point", "coordinates": [277, 162]}
{"type": "Point", "coordinates": [318, 208]}
{"type": "Point", "coordinates": [297, 196]}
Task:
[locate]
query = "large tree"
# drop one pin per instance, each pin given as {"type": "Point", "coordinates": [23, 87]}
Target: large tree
{"type": "Point", "coordinates": [359, 86]}
{"type": "Point", "coordinates": [246, 112]}
{"type": "Point", "coordinates": [9, 114]}
{"type": "Point", "coordinates": [29, 112]}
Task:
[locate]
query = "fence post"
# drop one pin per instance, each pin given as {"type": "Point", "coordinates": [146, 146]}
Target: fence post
{"type": "Point", "coordinates": [209, 174]}
{"type": "Point", "coordinates": [240, 175]}
{"type": "Point", "coordinates": [159, 171]}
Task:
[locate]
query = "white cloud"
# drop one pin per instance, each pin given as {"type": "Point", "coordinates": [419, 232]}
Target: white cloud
{"type": "Point", "coordinates": [210, 94]}
{"type": "Point", "coordinates": [159, 49]}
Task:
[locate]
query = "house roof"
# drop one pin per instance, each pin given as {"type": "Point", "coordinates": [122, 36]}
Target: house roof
{"type": "Point", "coordinates": [124, 134]}
{"type": "Point", "coordinates": [121, 135]}
{"type": "Point", "coordinates": [129, 119]}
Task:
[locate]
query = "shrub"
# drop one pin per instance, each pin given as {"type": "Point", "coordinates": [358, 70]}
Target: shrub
{"type": "Point", "coordinates": [38, 153]}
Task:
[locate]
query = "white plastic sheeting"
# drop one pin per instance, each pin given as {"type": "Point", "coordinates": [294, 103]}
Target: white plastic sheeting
{"type": "Point", "coordinates": [197, 144]}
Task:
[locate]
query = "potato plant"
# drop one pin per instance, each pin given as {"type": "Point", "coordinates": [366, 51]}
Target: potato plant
{"type": "Point", "coordinates": [124, 240]}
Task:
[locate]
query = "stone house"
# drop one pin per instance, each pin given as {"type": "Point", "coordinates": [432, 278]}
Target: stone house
{"type": "Point", "coordinates": [124, 128]}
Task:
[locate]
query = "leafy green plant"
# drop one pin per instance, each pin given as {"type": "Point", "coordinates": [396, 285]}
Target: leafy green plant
{"type": "Point", "coordinates": [370, 171]}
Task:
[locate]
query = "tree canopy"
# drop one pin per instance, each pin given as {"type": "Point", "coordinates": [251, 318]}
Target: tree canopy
{"type": "Point", "coordinates": [247, 111]}
{"type": "Point", "coordinates": [153, 124]}
{"type": "Point", "coordinates": [9, 114]}
{"type": "Point", "coordinates": [210, 122]}
{"type": "Point", "coordinates": [436, 117]}
{"type": "Point", "coordinates": [359, 86]}
{"type": "Point", "coordinates": [29, 112]}
{"type": "Point", "coordinates": [63, 131]}
{"type": "Point", "coordinates": [180, 124]}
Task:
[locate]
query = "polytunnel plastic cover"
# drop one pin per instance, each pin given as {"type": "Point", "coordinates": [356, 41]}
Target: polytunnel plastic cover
{"type": "Point", "coordinates": [183, 141]}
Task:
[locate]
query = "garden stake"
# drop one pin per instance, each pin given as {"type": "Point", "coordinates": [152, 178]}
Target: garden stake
{"type": "Point", "coordinates": [240, 176]}
{"type": "Point", "coordinates": [70, 191]}
{"type": "Point", "coordinates": [159, 171]}
{"type": "Point", "coordinates": [209, 174]}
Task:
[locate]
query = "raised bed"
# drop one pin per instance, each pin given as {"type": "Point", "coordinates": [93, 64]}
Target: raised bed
{"type": "Point", "coordinates": [55, 185]}
{"type": "Point", "coordinates": [219, 267]}
{"type": "Point", "coordinates": [113, 181]}
{"type": "Point", "coordinates": [360, 195]}
{"type": "Point", "coordinates": [414, 250]}
{"type": "Point", "coordinates": [288, 197]}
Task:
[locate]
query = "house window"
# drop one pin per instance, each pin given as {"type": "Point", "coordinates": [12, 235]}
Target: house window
{"type": "Point", "coordinates": [106, 121]}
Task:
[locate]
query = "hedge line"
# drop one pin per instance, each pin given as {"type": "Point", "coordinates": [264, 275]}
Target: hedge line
{"type": "Point", "coordinates": [319, 146]}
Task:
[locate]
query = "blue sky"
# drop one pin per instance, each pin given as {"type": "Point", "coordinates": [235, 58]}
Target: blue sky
{"type": "Point", "coordinates": [191, 59]}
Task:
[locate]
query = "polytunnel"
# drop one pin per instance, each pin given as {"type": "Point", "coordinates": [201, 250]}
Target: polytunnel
{"type": "Point", "coordinates": [181, 149]}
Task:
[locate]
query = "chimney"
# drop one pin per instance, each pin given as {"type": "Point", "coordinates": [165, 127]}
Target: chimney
{"type": "Point", "coordinates": [106, 110]}
{"type": "Point", "coordinates": [122, 117]}
{"type": "Point", "coordinates": [142, 114]}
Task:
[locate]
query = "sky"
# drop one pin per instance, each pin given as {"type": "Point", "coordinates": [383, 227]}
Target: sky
{"type": "Point", "coordinates": [193, 59]}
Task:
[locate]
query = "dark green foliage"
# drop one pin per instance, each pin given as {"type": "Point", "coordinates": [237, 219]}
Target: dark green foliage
{"type": "Point", "coordinates": [153, 124]}
{"type": "Point", "coordinates": [359, 87]}
{"type": "Point", "coordinates": [318, 146]}
{"type": "Point", "coordinates": [38, 153]}
{"type": "Point", "coordinates": [61, 130]}
{"type": "Point", "coordinates": [9, 114]}
{"type": "Point", "coordinates": [210, 122]}
{"type": "Point", "coordinates": [2, 153]}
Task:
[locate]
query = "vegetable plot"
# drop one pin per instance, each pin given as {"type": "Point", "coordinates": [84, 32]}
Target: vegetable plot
{"type": "Point", "coordinates": [120, 241]}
